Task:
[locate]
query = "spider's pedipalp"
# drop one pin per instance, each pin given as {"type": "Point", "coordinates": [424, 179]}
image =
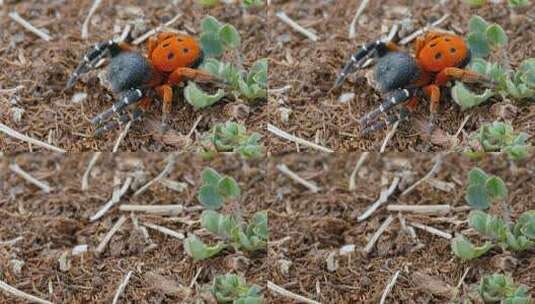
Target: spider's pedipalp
{"type": "Point", "coordinates": [90, 60]}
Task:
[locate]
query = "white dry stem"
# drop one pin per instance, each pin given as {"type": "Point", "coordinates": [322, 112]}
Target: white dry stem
{"type": "Point", "coordinates": [292, 175]}
{"type": "Point", "coordinates": [85, 177]}
{"type": "Point", "coordinates": [27, 25]}
{"type": "Point", "coordinates": [389, 287]}
{"type": "Point", "coordinates": [419, 32]}
{"type": "Point", "coordinates": [115, 198]}
{"type": "Point", "coordinates": [353, 25]}
{"type": "Point", "coordinates": [194, 126]}
{"type": "Point", "coordinates": [194, 280]}
{"type": "Point", "coordinates": [17, 293]}
{"type": "Point", "coordinates": [85, 25]}
{"type": "Point", "coordinates": [121, 137]}
{"type": "Point", "coordinates": [389, 136]}
{"type": "Point", "coordinates": [353, 177]}
{"type": "Point", "coordinates": [461, 127]}
{"type": "Point", "coordinates": [12, 90]}
{"type": "Point", "coordinates": [383, 198]}
{"type": "Point", "coordinates": [26, 176]}
{"type": "Point", "coordinates": [7, 130]}
{"type": "Point", "coordinates": [271, 128]}
{"type": "Point", "coordinates": [171, 160]}
{"type": "Point", "coordinates": [122, 287]}
{"type": "Point", "coordinates": [11, 242]}
{"type": "Point", "coordinates": [422, 209]}
{"type": "Point", "coordinates": [164, 230]}
{"type": "Point", "coordinates": [109, 235]}
{"type": "Point", "coordinates": [368, 248]}
{"type": "Point", "coordinates": [431, 230]}
{"type": "Point", "coordinates": [156, 30]}
{"type": "Point", "coordinates": [294, 25]}
{"type": "Point", "coordinates": [288, 294]}
{"type": "Point", "coordinates": [169, 210]}
{"type": "Point", "coordinates": [438, 163]}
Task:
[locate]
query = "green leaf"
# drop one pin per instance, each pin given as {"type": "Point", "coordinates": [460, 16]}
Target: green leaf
{"type": "Point", "coordinates": [210, 197]}
{"type": "Point", "coordinates": [464, 249]}
{"type": "Point", "coordinates": [476, 176]}
{"type": "Point", "coordinates": [496, 188]}
{"type": "Point", "coordinates": [477, 197]}
{"type": "Point", "coordinates": [230, 36]}
{"type": "Point", "coordinates": [198, 98]}
{"type": "Point", "coordinates": [477, 24]}
{"type": "Point", "coordinates": [198, 250]}
{"type": "Point", "coordinates": [488, 225]}
{"type": "Point", "coordinates": [208, 3]}
{"type": "Point", "coordinates": [496, 36]}
{"type": "Point", "coordinates": [210, 177]}
{"type": "Point", "coordinates": [466, 98]}
{"type": "Point", "coordinates": [478, 44]}
{"type": "Point", "coordinates": [228, 187]}
{"type": "Point", "coordinates": [475, 3]}
{"type": "Point", "coordinates": [210, 25]}
{"type": "Point", "coordinates": [211, 44]}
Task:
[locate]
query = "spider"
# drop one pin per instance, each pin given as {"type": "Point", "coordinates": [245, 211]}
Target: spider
{"type": "Point", "coordinates": [439, 58]}
{"type": "Point", "coordinates": [171, 58]}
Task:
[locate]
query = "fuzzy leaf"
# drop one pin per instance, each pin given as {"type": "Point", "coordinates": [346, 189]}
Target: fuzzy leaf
{"type": "Point", "coordinates": [475, 3]}
{"type": "Point", "coordinates": [210, 197]}
{"type": "Point", "coordinates": [477, 24]}
{"type": "Point", "coordinates": [198, 250]}
{"type": "Point", "coordinates": [230, 36]}
{"type": "Point", "coordinates": [496, 188]}
{"type": "Point", "coordinates": [496, 36]}
{"type": "Point", "coordinates": [210, 177]}
{"type": "Point", "coordinates": [478, 44]}
{"type": "Point", "coordinates": [476, 176]}
{"type": "Point", "coordinates": [211, 44]}
{"type": "Point", "coordinates": [228, 187]}
{"type": "Point", "coordinates": [198, 98]}
{"type": "Point", "coordinates": [477, 197]}
{"type": "Point", "coordinates": [466, 98]}
{"type": "Point", "coordinates": [464, 249]}
{"type": "Point", "coordinates": [210, 25]}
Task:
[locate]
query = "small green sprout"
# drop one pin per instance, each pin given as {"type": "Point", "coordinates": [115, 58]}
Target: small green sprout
{"type": "Point", "coordinates": [200, 99]}
{"type": "Point", "coordinates": [498, 288]}
{"type": "Point", "coordinates": [498, 137]}
{"type": "Point", "coordinates": [231, 288]}
{"type": "Point", "coordinates": [252, 85]}
{"type": "Point", "coordinates": [231, 137]}
{"type": "Point", "coordinates": [463, 248]}
{"type": "Point", "coordinates": [468, 99]}
{"type": "Point", "coordinates": [483, 37]}
{"type": "Point", "coordinates": [216, 189]}
{"type": "Point", "coordinates": [217, 37]}
{"type": "Point", "coordinates": [200, 251]}
{"type": "Point", "coordinates": [483, 189]}
{"type": "Point", "coordinates": [522, 84]}
{"type": "Point", "coordinates": [518, 3]}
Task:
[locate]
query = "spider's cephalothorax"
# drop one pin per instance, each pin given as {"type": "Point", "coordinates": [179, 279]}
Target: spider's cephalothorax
{"type": "Point", "coordinates": [171, 59]}
{"type": "Point", "coordinates": [439, 57]}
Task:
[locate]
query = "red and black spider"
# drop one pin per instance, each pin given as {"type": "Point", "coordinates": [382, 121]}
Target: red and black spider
{"type": "Point", "coordinates": [171, 59]}
{"type": "Point", "coordinates": [439, 58]}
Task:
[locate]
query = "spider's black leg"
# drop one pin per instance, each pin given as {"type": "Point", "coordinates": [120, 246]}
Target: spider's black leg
{"type": "Point", "coordinates": [91, 58]}
{"type": "Point", "coordinates": [390, 120]}
{"type": "Point", "coordinates": [129, 97]}
{"type": "Point", "coordinates": [366, 51]}
{"type": "Point", "coordinates": [397, 97]}
{"type": "Point", "coordinates": [120, 121]}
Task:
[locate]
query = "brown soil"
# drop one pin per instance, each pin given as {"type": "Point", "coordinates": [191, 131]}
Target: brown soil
{"type": "Point", "coordinates": [307, 227]}
{"type": "Point", "coordinates": [44, 67]}
{"type": "Point", "coordinates": [51, 224]}
{"type": "Point", "coordinates": [310, 68]}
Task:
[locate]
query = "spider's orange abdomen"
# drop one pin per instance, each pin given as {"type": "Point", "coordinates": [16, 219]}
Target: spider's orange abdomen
{"type": "Point", "coordinates": [442, 52]}
{"type": "Point", "coordinates": [175, 52]}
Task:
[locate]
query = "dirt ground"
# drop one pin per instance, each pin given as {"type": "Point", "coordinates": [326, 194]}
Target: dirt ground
{"type": "Point", "coordinates": [42, 68]}
{"type": "Point", "coordinates": [306, 228]}
{"type": "Point", "coordinates": [310, 69]}
{"type": "Point", "coordinates": [54, 223]}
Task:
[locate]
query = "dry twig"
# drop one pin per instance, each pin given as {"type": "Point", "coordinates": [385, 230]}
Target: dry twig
{"type": "Point", "coordinates": [353, 177]}
{"type": "Point", "coordinates": [438, 163]}
{"type": "Point", "coordinates": [389, 287]}
{"type": "Point", "coordinates": [7, 130]}
{"type": "Point", "coordinates": [156, 30]}
{"type": "Point", "coordinates": [26, 176]}
{"type": "Point", "coordinates": [109, 235]}
{"type": "Point", "coordinates": [431, 230]}
{"type": "Point", "coordinates": [271, 128]}
{"type": "Point", "coordinates": [423, 209]}
{"type": "Point", "coordinates": [17, 293]}
{"type": "Point", "coordinates": [122, 287]}
{"type": "Point", "coordinates": [389, 136]}
{"type": "Point", "coordinates": [165, 230]}
{"type": "Point", "coordinates": [294, 25]}
{"type": "Point", "coordinates": [419, 32]}
{"type": "Point", "coordinates": [368, 248]}
{"type": "Point", "coordinates": [27, 25]}
{"type": "Point", "coordinates": [85, 25]}
{"type": "Point", "coordinates": [171, 161]}
{"type": "Point", "coordinates": [292, 175]}
{"type": "Point", "coordinates": [121, 137]}
{"type": "Point", "coordinates": [353, 25]}
{"type": "Point", "coordinates": [383, 197]}
{"type": "Point", "coordinates": [170, 210]}
{"type": "Point", "coordinates": [116, 197]}
{"type": "Point", "coordinates": [85, 177]}
{"type": "Point", "coordinates": [288, 294]}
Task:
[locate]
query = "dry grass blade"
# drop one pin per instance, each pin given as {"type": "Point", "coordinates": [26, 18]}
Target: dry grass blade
{"type": "Point", "coordinates": [171, 161]}
{"type": "Point", "coordinates": [389, 287]}
{"type": "Point", "coordinates": [353, 177]}
{"type": "Point", "coordinates": [294, 25]}
{"type": "Point", "coordinates": [288, 294]}
{"type": "Point", "coordinates": [164, 230]}
{"type": "Point", "coordinates": [7, 130]}
{"type": "Point", "coordinates": [369, 247]}
{"type": "Point", "coordinates": [121, 137]}
{"type": "Point", "coordinates": [17, 293]}
{"type": "Point", "coordinates": [271, 128]}
{"type": "Point", "coordinates": [292, 175]}
{"type": "Point", "coordinates": [156, 30]}
{"type": "Point", "coordinates": [423, 209]}
{"type": "Point", "coordinates": [116, 197]}
{"type": "Point", "coordinates": [419, 32]}
{"type": "Point", "coordinates": [389, 136]}
{"type": "Point", "coordinates": [383, 198]}
{"type": "Point", "coordinates": [85, 177]}
{"type": "Point", "coordinates": [27, 25]}
{"type": "Point", "coordinates": [109, 235]}
{"type": "Point", "coordinates": [438, 163]}
{"type": "Point", "coordinates": [85, 25]}
{"type": "Point", "coordinates": [26, 176]}
{"type": "Point", "coordinates": [432, 230]}
{"type": "Point", "coordinates": [122, 287]}
{"type": "Point", "coordinates": [353, 25]}
{"type": "Point", "coordinates": [170, 210]}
